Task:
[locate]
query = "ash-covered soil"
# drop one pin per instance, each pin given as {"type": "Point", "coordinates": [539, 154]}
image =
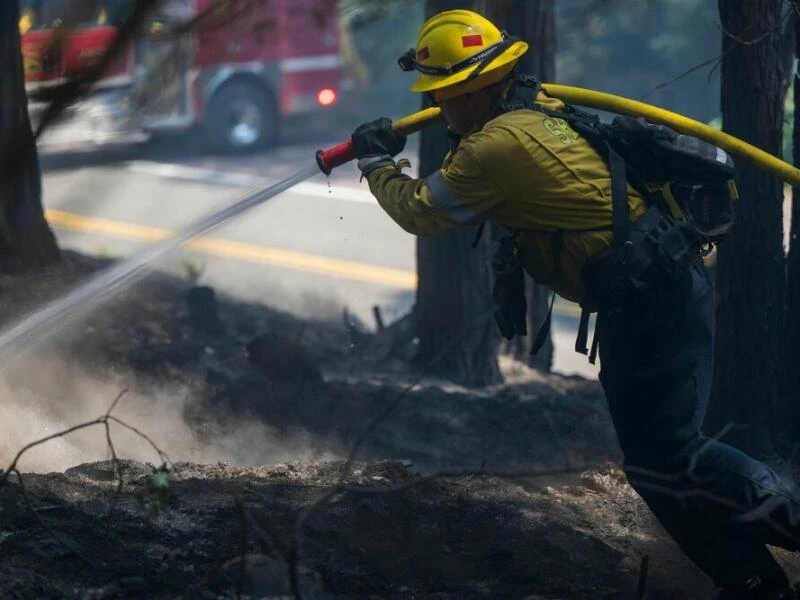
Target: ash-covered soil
{"type": "Point", "coordinates": [455, 493]}
{"type": "Point", "coordinates": [387, 533]}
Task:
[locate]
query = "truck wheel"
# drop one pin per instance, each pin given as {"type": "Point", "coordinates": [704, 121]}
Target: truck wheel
{"type": "Point", "coordinates": [241, 117]}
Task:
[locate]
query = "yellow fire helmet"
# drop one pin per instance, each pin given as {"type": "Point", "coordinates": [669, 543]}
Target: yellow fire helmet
{"type": "Point", "coordinates": [460, 51]}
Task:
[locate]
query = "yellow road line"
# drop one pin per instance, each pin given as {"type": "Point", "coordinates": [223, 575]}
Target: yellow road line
{"type": "Point", "coordinates": [396, 278]}
{"type": "Point", "coordinates": [310, 263]}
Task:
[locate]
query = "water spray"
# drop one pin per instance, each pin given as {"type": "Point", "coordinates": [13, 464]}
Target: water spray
{"type": "Point", "coordinates": [21, 337]}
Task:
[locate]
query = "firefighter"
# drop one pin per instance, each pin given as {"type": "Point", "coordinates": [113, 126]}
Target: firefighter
{"type": "Point", "coordinates": [530, 174]}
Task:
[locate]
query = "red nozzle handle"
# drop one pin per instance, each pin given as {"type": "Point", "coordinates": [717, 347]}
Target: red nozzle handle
{"type": "Point", "coordinates": [334, 157]}
{"type": "Point", "coordinates": [343, 153]}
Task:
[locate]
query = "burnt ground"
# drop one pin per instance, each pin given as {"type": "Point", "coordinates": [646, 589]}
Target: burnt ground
{"type": "Point", "coordinates": [455, 493]}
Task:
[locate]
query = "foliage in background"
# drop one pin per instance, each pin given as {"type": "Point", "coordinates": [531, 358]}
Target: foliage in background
{"type": "Point", "coordinates": [381, 32]}
{"type": "Point", "coordinates": [629, 47]}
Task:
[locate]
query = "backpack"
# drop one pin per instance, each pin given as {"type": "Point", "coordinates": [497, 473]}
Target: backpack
{"type": "Point", "coordinates": [690, 179]}
{"type": "Point", "coordinates": [688, 183]}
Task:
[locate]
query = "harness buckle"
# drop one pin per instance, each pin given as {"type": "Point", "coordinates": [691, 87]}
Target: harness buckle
{"type": "Point", "coordinates": [626, 252]}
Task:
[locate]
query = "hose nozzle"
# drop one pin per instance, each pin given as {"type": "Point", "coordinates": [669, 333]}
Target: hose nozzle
{"type": "Point", "coordinates": [329, 159]}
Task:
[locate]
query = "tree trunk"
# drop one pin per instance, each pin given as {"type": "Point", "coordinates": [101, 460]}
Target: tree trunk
{"type": "Point", "coordinates": [750, 273]}
{"type": "Point", "coordinates": [535, 22]}
{"type": "Point", "coordinates": [791, 356]}
{"type": "Point", "coordinates": [453, 310]}
{"type": "Point", "coordinates": [25, 239]}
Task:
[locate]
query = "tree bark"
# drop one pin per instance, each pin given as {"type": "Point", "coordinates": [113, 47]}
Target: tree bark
{"type": "Point", "coordinates": [791, 351]}
{"type": "Point", "coordinates": [750, 273]}
{"type": "Point", "coordinates": [26, 241]}
{"type": "Point", "coordinates": [453, 309]}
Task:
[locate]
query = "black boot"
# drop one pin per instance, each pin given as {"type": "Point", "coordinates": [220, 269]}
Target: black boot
{"type": "Point", "coordinates": [756, 588]}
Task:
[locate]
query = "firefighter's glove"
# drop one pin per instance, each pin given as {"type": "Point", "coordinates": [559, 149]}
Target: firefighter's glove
{"type": "Point", "coordinates": [376, 143]}
{"type": "Point", "coordinates": [508, 295]}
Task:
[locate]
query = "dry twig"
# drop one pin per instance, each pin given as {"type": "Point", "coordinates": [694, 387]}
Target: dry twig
{"type": "Point", "coordinates": [105, 421]}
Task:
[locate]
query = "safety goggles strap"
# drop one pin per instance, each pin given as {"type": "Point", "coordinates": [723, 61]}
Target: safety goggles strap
{"type": "Point", "coordinates": [408, 61]}
{"type": "Point", "coordinates": [484, 62]}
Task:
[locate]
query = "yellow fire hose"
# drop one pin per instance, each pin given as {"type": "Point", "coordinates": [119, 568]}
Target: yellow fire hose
{"type": "Point", "coordinates": [328, 159]}
{"type": "Point", "coordinates": [633, 108]}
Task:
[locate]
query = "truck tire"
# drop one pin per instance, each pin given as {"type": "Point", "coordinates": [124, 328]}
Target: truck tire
{"type": "Point", "coordinates": [241, 117]}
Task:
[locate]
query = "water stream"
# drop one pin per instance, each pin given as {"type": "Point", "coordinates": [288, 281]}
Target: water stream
{"type": "Point", "coordinates": [24, 335]}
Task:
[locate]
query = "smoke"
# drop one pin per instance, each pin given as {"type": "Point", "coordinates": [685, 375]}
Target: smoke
{"type": "Point", "coordinates": [46, 395]}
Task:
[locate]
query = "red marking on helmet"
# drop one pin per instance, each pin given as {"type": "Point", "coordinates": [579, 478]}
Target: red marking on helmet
{"type": "Point", "coordinates": [472, 40]}
{"type": "Point", "coordinates": [423, 53]}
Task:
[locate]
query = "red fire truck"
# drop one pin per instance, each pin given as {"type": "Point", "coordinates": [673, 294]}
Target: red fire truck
{"type": "Point", "coordinates": [235, 69]}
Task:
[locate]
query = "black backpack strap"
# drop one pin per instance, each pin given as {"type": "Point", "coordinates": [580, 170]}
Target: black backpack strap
{"type": "Point", "coordinates": [620, 216]}
{"type": "Point", "coordinates": [478, 235]}
{"type": "Point", "coordinates": [593, 353]}
{"type": "Point", "coordinates": [520, 94]}
{"type": "Point", "coordinates": [586, 123]}
{"type": "Point", "coordinates": [621, 227]}
{"type": "Point", "coordinates": [583, 332]}
{"type": "Point", "coordinates": [583, 336]}
{"type": "Point", "coordinates": [556, 246]}
{"type": "Point", "coordinates": [544, 329]}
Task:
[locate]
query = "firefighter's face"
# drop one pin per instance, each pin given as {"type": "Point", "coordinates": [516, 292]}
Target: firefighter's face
{"type": "Point", "coordinates": [464, 112]}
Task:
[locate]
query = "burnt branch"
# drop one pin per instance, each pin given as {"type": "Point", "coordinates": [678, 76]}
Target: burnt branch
{"type": "Point", "coordinates": [105, 421]}
{"type": "Point", "coordinates": [716, 61]}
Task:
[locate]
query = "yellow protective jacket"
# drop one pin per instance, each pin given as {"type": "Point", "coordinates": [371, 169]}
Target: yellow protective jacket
{"type": "Point", "coordinates": [525, 171]}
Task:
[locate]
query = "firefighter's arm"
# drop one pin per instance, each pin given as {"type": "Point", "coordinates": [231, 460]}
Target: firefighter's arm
{"type": "Point", "coordinates": [456, 195]}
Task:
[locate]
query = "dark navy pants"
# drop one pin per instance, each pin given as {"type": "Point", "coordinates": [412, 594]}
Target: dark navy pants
{"type": "Point", "coordinates": [720, 505]}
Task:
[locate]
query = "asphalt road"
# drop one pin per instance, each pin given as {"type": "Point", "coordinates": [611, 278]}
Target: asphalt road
{"type": "Point", "coordinates": [320, 247]}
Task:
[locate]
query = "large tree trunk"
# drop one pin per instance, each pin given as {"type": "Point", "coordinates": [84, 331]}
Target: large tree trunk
{"type": "Point", "coordinates": [750, 274]}
{"type": "Point", "coordinates": [453, 310]}
{"type": "Point", "coordinates": [791, 357]}
{"type": "Point", "coordinates": [535, 22]}
{"type": "Point", "coordinates": [25, 238]}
